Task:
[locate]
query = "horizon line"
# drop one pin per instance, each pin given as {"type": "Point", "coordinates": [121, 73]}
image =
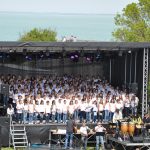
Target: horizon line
{"type": "Point", "coordinates": [63, 13]}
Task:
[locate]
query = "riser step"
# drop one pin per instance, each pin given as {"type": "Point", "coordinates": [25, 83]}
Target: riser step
{"type": "Point", "coordinates": [19, 138]}
{"type": "Point", "coordinates": [20, 142]}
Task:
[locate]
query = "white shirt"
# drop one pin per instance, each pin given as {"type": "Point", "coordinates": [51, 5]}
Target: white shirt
{"type": "Point", "coordinates": [100, 107]}
{"type": "Point", "coordinates": [53, 109]}
{"type": "Point", "coordinates": [106, 107]}
{"type": "Point", "coordinates": [42, 108]}
{"type": "Point", "coordinates": [19, 108]}
{"type": "Point", "coordinates": [47, 108]}
{"type": "Point", "coordinates": [26, 107]}
{"type": "Point", "coordinates": [10, 111]}
{"type": "Point", "coordinates": [117, 117]}
{"type": "Point", "coordinates": [83, 130]}
{"type": "Point", "coordinates": [99, 128]}
{"type": "Point", "coordinates": [112, 107]}
{"type": "Point", "coordinates": [82, 106]}
{"type": "Point", "coordinates": [71, 109]}
{"type": "Point", "coordinates": [31, 108]}
{"type": "Point", "coordinates": [65, 108]}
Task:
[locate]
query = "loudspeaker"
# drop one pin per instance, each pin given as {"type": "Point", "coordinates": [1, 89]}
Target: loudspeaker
{"type": "Point", "coordinates": [4, 89]}
{"type": "Point", "coordinates": [4, 121]}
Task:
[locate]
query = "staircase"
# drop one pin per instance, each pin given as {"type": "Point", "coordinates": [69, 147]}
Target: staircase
{"type": "Point", "coordinates": [18, 136]}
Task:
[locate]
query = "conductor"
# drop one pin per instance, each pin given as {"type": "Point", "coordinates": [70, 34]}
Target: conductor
{"type": "Point", "coordinates": [69, 132]}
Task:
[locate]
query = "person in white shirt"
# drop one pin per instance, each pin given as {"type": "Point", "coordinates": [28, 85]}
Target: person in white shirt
{"type": "Point", "coordinates": [100, 110]}
{"type": "Point", "coordinates": [42, 111]}
{"type": "Point", "coordinates": [71, 108]}
{"type": "Point", "coordinates": [82, 110]}
{"type": "Point", "coordinates": [117, 116]}
{"type": "Point", "coordinates": [19, 111]}
{"type": "Point", "coordinates": [106, 110]}
{"type": "Point", "coordinates": [134, 104]}
{"type": "Point", "coordinates": [95, 111]}
{"type": "Point", "coordinates": [99, 129]}
{"type": "Point", "coordinates": [64, 111]}
{"type": "Point", "coordinates": [53, 110]}
{"type": "Point", "coordinates": [112, 109]}
{"type": "Point", "coordinates": [84, 135]}
{"type": "Point", "coordinates": [88, 110]}
{"type": "Point", "coordinates": [47, 111]}
{"type": "Point", "coordinates": [25, 111]}
{"type": "Point", "coordinates": [15, 99]}
{"type": "Point", "coordinates": [36, 111]}
{"type": "Point", "coordinates": [10, 112]}
{"type": "Point", "coordinates": [126, 106]}
{"type": "Point", "coordinates": [31, 111]}
{"type": "Point", "coordinates": [76, 110]}
{"type": "Point", "coordinates": [59, 108]}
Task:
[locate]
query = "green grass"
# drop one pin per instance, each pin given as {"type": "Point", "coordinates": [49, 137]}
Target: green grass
{"type": "Point", "coordinates": [7, 148]}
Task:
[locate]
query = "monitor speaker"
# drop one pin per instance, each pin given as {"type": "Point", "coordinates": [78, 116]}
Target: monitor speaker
{"type": "Point", "coordinates": [4, 121]}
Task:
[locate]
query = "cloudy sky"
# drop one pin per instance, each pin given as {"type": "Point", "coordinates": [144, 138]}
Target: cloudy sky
{"type": "Point", "coordinates": [65, 6]}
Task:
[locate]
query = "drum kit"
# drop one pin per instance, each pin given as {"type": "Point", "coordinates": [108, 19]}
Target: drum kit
{"type": "Point", "coordinates": [125, 128]}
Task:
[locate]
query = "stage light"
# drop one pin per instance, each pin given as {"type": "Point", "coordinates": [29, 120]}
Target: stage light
{"type": "Point", "coordinates": [74, 56]}
{"type": "Point", "coordinates": [89, 59]}
{"type": "Point", "coordinates": [28, 58]}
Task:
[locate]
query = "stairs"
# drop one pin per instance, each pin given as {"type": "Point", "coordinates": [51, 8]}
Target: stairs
{"type": "Point", "coordinates": [18, 136]}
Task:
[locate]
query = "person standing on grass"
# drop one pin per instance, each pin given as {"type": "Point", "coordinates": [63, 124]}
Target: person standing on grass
{"type": "Point", "coordinates": [69, 132]}
{"type": "Point", "coordinates": [99, 129]}
{"type": "Point", "coordinates": [84, 135]}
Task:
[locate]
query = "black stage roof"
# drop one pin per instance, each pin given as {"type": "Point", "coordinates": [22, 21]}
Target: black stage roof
{"type": "Point", "coordinates": [38, 46]}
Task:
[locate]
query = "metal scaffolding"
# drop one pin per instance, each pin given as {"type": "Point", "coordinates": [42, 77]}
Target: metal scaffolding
{"type": "Point", "coordinates": [145, 82]}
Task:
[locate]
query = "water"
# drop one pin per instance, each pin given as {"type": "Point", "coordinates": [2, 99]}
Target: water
{"type": "Point", "coordinates": [84, 27]}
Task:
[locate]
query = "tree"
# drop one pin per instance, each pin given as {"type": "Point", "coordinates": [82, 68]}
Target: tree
{"type": "Point", "coordinates": [39, 35]}
{"type": "Point", "coordinates": [134, 23]}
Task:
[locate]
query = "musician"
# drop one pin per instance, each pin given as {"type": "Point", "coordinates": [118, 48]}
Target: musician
{"type": "Point", "coordinates": [138, 121]}
{"type": "Point", "coordinates": [84, 134]}
{"type": "Point", "coordinates": [69, 132]}
{"type": "Point", "coordinates": [99, 129]}
{"type": "Point", "coordinates": [116, 118]}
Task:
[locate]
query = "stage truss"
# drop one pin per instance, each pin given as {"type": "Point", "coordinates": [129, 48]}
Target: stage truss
{"type": "Point", "coordinates": [145, 82]}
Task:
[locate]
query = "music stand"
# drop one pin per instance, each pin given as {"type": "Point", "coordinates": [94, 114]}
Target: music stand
{"type": "Point", "coordinates": [100, 133]}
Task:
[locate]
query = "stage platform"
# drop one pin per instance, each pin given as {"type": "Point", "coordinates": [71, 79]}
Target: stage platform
{"type": "Point", "coordinates": [37, 133]}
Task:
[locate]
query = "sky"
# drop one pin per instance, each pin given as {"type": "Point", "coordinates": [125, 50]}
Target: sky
{"type": "Point", "coordinates": [65, 6]}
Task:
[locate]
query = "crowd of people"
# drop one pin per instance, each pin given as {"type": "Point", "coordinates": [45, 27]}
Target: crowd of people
{"type": "Point", "coordinates": [51, 98]}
